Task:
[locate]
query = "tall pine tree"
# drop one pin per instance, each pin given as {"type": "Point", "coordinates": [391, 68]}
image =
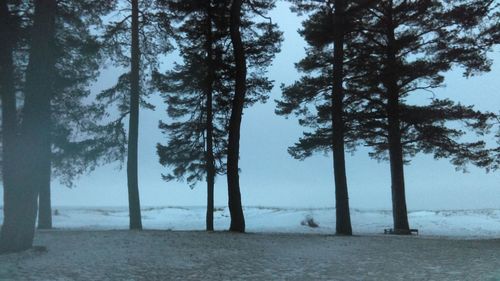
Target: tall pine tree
{"type": "Point", "coordinates": [74, 122]}
{"type": "Point", "coordinates": [31, 153]}
{"type": "Point", "coordinates": [329, 31]}
{"type": "Point", "coordinates": [408, 47]}
{"type": "Point", "coordinates": [250, 54]}
{"type": "Point", "coordinates": [135, 41]}
{"type": "Point", "coordinates": [8, 27]}
{"type": "Point", "coordinates": [197, 94]}
{"type": "Point", "coordinates": [77, 142]}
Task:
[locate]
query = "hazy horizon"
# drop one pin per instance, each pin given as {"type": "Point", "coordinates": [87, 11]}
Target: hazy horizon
{"type": "Point", "coordinates": [271, 177]}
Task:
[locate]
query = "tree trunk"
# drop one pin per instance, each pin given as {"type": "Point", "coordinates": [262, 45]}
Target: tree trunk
{"type": "Point", "coordinates": [210, 161]}
{"type": "Point", "coordinates": [233, 181]}
{"type": "Point", "coordinates": [400, 215]}
{"type": "Point", "coordinates": [9, 125]}
{"type": "Point", "coordinates": [44, 201]}
{"type": "Point", "coordinates": [399, 211]}
{"type": "Point", "coordinates": [133, 133]}
{"type": "Point", "coordinates": [27, 169]}
{"type": "Point", "coordinates": [343, 222]}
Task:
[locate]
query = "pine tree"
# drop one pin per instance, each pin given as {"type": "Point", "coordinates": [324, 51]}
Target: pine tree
{"type": "Point", "coordinates": [9, 29]}
{"type": "Point", "coordinates": [74, 121]}
{"type": "Point", "coordinates": [197, 94]}
{"type": "Point", "coordinates": [250, 54]}
{"type": "Point", "coordinates": [233, 180]}
{"type": "Point", "coordinates": [329, 31]}
{"type": "Point", "coordinates": [8, 26]}
{"type": "Point", "coordinates": [77, 142]}
{"type": "Point", "coordinates": [407, 47]}
{"type": "Point", "coordinates": [139, 35]}
{"type": "Point", "coordinates": [31, 154]}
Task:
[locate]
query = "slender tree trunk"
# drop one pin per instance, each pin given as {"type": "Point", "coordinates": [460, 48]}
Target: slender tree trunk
{"type": "Point", "coordinates": [27, 169]}
{"type": "Point", "coordinates": [133, 134]}
{"type": "Point", "coordinates": [210, 161]}
{"type": "Point", "coordinates": [343, 222]}
{"type": "Point", "coordinates": [233, 181]}
{"type": "Point", "coordinates": [400, 214]}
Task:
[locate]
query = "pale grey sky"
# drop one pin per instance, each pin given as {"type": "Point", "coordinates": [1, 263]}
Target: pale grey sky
{"type": "Point", "coordinates": [270, 177]}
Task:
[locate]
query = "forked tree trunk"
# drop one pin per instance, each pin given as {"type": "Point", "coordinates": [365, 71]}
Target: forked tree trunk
{"type": "Point", "coordinates": [27, 167]}
{"type": "Point", "coordinates": [400, 214]}
{"type": "Point", "coordinates": [233, 181]}
{"type": "Point", "coordinates": [209, 157]}
{"type": "Point", "coordinates": [343, 221]}
{"type": "Point", "coordinates": [133, 134]}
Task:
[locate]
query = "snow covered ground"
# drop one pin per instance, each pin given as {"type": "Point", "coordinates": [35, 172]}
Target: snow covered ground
{"type": "Point", "coordinates": [463, 224]}
{"type": "Point", "coordinates": [118, 255]}
{"type": "Point", "coordinates": [91, 244]}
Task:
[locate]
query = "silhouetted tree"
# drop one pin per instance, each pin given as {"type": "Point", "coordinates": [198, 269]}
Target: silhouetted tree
{"type": "Point", "coordinates": [233, 180]}
{"type": "Point", "coordinates": [249, 53]}
{"type": "Point", "coordinates": [8, 27]}
{"type": "Point", "coordinates": [28, 167]}
{"type": "Point", "coordinates": [77, 141]}
{"type": "Point", "coordinates": [139, 34]}
{"type": "Point", "coordinates": [133, 129]}
{"type": "Point", "coordinates": [329, 28]}
{"type": "Point", "coordinates": [408, 47]}
{"type": "Point", "coordinates": [10, 30]}
{"type": "Point", "coordinates": [75, 122]}
{"type": "Point", "coordinates": [197, 94]}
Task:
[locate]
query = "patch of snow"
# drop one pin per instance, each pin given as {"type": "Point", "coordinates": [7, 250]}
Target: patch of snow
{"type": "Point", "coordinates": [482, 223]}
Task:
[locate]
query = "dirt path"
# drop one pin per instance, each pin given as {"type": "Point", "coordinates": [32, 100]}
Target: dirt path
{"type": "Point", "coordinates": [161, 255]}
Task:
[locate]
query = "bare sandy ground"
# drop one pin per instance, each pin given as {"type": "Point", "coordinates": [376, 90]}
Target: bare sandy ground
{"type": "Point", "coordinates": [165, 255]}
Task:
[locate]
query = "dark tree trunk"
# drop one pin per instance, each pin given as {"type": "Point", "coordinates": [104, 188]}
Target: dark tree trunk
{"type": "Point", "coordinates": [133, 134]}
{"type": "Point", "coordinates": [400, 214]}
{"type": "Point", "coordinates": [31, 154]}
{"type": "Point", "coordinates": [9, 125]}
{"type": "Point", "coordinates": [343, 222]}
{"type": "Point", "coordinates": [44, 201]}
{"type": "Point", "coordinates": [210, 161]}
{"type": "Point", "coordinates": [233, 181]}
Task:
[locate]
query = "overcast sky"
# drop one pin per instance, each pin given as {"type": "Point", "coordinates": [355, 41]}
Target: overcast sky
{"type": "Point", "coordinates": [270, 177]}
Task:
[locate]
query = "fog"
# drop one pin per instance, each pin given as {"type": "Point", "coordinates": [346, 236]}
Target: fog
{"type": "Point", "coordinates": [271, 177]}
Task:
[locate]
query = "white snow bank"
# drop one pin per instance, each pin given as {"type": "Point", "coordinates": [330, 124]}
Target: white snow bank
{"type": "Point", "coordinates": [484, 223]}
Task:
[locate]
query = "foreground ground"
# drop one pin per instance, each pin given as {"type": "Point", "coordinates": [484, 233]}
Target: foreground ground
{"type": "Point", "coordinates": [170, 255]}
